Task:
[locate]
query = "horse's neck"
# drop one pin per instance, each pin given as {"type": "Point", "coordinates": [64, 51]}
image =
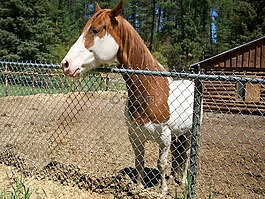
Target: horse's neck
{"type": "Point", "coordinates": [133, 52]}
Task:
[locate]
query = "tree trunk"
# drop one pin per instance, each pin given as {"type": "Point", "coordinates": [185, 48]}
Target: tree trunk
{"type": "Point", "coordinates": [153, 26]}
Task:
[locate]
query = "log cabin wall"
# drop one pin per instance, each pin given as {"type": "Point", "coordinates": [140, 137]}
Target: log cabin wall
{"type": "Point", "coordinates": [247, 60]}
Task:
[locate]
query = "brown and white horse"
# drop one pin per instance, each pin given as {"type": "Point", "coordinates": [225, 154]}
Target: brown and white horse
{"type": "Point", "coordinates": [157, 107]}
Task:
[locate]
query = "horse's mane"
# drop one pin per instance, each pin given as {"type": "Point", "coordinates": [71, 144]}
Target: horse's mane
{"type": "Point", "coordinates": [133, 51]}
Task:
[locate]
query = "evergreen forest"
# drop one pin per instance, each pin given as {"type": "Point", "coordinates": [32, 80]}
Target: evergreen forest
{"type": "Point", "coordinates": [177, 32]}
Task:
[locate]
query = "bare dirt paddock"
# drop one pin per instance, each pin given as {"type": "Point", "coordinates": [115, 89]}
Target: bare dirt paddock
{"type": "Point", "coordinates": [76, 146]}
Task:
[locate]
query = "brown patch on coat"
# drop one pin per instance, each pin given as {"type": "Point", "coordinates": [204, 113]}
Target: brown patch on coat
{"type": "Point", "coordinates": [148, 95]}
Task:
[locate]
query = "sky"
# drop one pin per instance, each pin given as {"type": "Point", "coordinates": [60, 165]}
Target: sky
{"type": "Point", "coordinates": [214, 16]}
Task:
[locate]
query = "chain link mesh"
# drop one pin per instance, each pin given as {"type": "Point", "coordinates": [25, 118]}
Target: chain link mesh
{"type": "Point", "coordinates": [74, 131]}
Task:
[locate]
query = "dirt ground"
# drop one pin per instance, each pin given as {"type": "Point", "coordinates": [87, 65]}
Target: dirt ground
{"type": "Point", "coordinates": [44, 188]}
{"type": "Point", "coordinates": [76, 146]}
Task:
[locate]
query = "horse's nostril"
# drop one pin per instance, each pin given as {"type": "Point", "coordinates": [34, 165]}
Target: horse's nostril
{"type": "Point", "coordinates": [65, 64]}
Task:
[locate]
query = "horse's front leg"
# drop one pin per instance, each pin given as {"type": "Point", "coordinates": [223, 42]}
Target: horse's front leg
{"type": "Point", "coordinates": [164, 146]}
{"type": "Point", "coordinates": [139, 150]}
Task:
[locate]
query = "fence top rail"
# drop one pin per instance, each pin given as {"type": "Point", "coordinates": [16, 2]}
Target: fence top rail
{"type": "Point", "coordinates": [172, 74]}
{"type": "Point", "coordinates": [31, 64]}
{"type": "Point", "coordinates": [185, 75]}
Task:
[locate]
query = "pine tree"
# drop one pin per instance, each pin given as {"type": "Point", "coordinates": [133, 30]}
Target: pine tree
{"type": "Point", "coordinates": [247, 21]}
{"type": "Point", "coordinates": [26, 32]}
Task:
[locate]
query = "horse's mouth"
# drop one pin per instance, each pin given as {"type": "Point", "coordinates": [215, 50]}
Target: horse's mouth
{"type": "Point", "coordinates": [75, 74]}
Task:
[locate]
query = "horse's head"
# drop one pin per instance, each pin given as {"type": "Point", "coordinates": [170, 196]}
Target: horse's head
{"type": "Point", "coordinates": [95, 45]}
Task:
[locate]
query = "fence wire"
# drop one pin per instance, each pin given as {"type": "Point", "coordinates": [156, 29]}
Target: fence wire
{"type": "Point", "coordinates": [74, 131]}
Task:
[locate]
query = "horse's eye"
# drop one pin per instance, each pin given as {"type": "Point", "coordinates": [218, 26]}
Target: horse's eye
{"type": "Point", "coordinates": [94, 31]}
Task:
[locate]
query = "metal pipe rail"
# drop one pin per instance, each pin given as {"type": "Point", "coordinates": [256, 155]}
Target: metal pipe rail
{"type": "Point", "coordinates": [173, 74]}
{"type": "Point", "coordinates": [184, 75]}
{"type": "Point", "coordinates": [31, 64]}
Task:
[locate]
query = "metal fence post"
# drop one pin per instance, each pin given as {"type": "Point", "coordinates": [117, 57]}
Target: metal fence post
{"type": "Point", "coordinates": [32, 81]}
{"type": "Point", "coordinates": [6, 80]}
{"type": "Point", "coordinates": [197, 107]}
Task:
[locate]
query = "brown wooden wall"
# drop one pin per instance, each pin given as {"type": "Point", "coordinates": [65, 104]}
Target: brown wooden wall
{"type": "Point", "coordinates": [247, 57]}
{"type": "Point", "coordinates": [235, 97]}
{"type": "Point", "coordinates": [247, 60]}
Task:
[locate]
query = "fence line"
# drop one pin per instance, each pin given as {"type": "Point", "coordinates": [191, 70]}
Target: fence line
{"type": "Point", "coordinates": [173, 74]}
{"type": "Point", "coordinates": [79, 127]}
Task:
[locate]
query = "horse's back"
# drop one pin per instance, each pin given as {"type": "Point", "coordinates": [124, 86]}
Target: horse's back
{"type": "Point", "coordinates": [180, 101]}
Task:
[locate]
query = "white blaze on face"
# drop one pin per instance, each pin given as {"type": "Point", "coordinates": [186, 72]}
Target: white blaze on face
{"type": "Point", "coordinates": [80, 59]}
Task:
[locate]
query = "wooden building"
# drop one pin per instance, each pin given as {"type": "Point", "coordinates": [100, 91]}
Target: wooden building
{"type": "Point", "coordinates": [247, 60]}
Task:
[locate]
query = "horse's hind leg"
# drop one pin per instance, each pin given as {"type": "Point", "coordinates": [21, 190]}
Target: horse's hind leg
{"type": "Point", "coordinates": [180, 148]}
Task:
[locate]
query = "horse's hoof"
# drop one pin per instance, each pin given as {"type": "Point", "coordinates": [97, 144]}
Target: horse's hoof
{"type": "Point", "coordinates": [140, 186]}
{"type": "Point", "coordinates": [163, 190]}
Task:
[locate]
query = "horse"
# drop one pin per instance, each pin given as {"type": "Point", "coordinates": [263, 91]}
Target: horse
{"type": "Point", "coordinates": [157, 108]}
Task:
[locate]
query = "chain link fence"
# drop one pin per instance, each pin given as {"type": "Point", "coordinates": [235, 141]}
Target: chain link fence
{"type": "Point", "coordinates": [74, 131]}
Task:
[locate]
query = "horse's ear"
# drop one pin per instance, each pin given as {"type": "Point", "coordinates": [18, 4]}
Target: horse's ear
{"type": "Point", "coordinates": [118, 9]}
{"type": "Point", "coordinates": [97, 7]}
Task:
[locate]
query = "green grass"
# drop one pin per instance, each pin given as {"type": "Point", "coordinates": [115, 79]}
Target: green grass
{"type": "Point", "coordinates": [48, 86]}
{"type": "Point", "coordinates": [188, 191]}
{"type": "Point", "coordinates": [55, 86]}
{"type": "Point", "coordinates": [84, 86]}
{"type": "Point", "coordinates": [18, 190]}
{"type": "Point", "coordinates": [17, 90]}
